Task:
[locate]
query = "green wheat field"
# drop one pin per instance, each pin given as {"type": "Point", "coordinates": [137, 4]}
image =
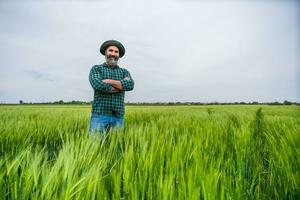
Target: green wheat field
{"type": "Point", "coordinates": [165, 152]}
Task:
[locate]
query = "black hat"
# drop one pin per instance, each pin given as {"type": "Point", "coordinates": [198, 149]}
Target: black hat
{"type": "Point", "coordinates": [109, 43]}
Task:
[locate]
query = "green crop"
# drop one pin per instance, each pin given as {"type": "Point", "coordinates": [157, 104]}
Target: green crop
{"type": "Point", "coordinates": [165, 152]}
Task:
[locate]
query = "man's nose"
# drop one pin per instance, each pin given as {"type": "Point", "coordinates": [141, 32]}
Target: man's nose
{"type": "Point", "coordinates": [112, 54]}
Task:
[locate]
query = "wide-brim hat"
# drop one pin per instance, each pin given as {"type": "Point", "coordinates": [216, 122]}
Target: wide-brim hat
{"type": "Point", "coordinates": [109, 43]}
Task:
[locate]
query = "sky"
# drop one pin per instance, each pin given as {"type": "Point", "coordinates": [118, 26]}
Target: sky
{"type": "Point", "coordinates": [176, 50]}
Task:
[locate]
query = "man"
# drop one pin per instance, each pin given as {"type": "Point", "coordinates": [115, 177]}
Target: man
{"type": "Point", "coordinates": [109, 82]}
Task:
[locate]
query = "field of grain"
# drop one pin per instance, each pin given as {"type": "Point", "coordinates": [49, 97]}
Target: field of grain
{"type": "Point", "coordinates": [165, 152]}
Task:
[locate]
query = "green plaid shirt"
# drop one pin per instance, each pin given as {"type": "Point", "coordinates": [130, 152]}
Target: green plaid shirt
{"type": "Point", "coordinates": [105, 103]}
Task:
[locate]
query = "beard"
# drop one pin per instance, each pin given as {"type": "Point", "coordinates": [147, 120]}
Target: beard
{"type": "Point", "coordinates": [111, 60]}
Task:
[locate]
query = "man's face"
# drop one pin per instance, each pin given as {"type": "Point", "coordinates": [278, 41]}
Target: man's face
{"type": "Point", "coordinates": [112, 55]}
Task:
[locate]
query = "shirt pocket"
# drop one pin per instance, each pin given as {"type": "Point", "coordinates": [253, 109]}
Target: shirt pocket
{"type": "Point", "coordinates": [119, 75]}
{"type": "Point", "coordinates": [106, 74]}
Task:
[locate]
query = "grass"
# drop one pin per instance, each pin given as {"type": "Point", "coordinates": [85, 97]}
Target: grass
{"type": "Point", "coordinates": [167, 152]}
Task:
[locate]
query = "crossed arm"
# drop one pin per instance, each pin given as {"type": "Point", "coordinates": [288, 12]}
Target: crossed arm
{"type": "Point", "coordinates": [110, 85]}
{"type": "Point", "coordinates": [116, 85]}
{"type": "Point", "coordinates": [125, 84]}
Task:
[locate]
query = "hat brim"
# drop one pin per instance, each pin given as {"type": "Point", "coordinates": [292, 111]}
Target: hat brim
{"type": "Point", "coordinates": [109, 43]}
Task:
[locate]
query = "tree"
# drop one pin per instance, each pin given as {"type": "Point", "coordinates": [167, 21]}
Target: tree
{"type": "Point", "coordinates": [287, 102]}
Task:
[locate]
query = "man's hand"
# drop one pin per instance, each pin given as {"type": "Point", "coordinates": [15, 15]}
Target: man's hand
{"type": "Point", "coordinates": [114, 90]}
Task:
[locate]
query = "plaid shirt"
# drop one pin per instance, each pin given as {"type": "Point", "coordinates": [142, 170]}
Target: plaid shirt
{"type": "Point", "coordinates": [105, 103]}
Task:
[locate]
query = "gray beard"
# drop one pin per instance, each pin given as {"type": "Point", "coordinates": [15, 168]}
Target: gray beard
{"type": "Point", "coordinates": [111, 61]}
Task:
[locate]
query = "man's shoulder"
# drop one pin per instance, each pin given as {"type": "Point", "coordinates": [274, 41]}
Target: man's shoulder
{"type": "Point", "coordinates": [98, 66]}
{"type": "Point", "coordinates": [123, 69]}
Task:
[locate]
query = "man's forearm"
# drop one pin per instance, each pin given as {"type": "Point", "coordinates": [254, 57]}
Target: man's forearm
{"type": "Point", "coordinates": [115, 83]}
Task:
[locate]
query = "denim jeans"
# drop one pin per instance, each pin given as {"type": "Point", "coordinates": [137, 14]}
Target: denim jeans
{"type": "Point", "coordinates": [102, 123]}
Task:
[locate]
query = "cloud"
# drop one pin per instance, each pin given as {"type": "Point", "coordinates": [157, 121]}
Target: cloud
{"type": "Point", "coordinates": [39, 75]}
{"type": "Point", "coordinates": [229, 51]}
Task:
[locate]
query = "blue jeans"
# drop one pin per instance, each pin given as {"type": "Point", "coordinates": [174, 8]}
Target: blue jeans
{"type": "Point", "coordinates": [103, 123]}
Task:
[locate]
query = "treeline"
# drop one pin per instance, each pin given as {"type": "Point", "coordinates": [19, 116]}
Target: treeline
{"type": "Point", "coordinates": [216, 103]}
{"type": "Point", "coordinates": [164, 103]}
{"type": "Point", "coordinates": [59, 102]}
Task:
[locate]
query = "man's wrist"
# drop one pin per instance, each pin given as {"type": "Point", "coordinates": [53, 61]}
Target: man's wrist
{"type": "Point", "coordinates": [107, 81]}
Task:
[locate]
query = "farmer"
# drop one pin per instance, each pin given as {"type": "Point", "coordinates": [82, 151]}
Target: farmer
{"type": "Point", "coordinates": [109, 82]}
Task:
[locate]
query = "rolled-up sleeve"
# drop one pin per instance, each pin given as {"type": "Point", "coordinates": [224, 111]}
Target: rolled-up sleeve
{"type": "Point", "coordinates": [127, 83]}
{"type": "Point", "coordinates": [95, 79]}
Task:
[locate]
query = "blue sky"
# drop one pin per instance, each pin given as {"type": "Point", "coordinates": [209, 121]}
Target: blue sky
{"type": "Point", "coordinates": [175, 50]}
